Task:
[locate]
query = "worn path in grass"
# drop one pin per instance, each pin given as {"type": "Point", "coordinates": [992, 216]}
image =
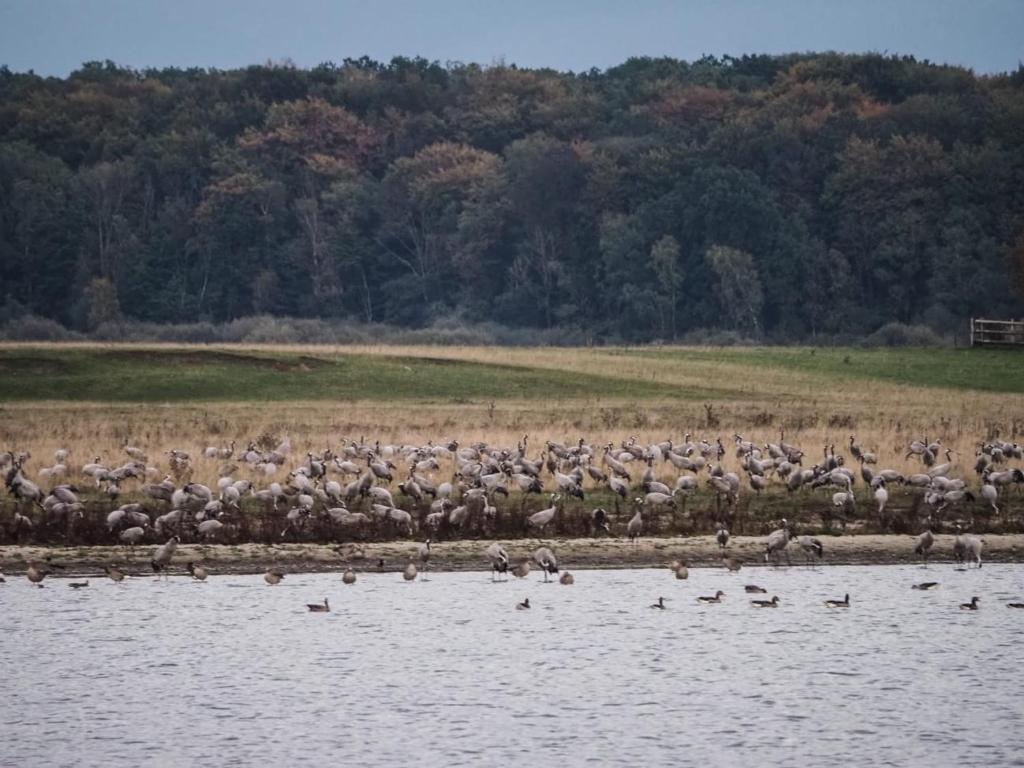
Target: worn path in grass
{"type": "Point", "coordinates": [699, 551]}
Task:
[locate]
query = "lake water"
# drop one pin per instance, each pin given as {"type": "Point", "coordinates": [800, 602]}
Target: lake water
{"type": "Point", "coordinates": [447, 672]}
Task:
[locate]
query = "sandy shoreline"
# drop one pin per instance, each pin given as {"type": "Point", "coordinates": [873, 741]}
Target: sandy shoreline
{"type": "Point", "coordinates": [467, 555]}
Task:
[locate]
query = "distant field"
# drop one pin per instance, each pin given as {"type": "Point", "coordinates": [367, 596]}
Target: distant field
{"type": "Point", "coordinates": [986, 370]}
{"type": "Point", "coordinates": [179, 374]}
{"type": "Point", "coordinates": [198, 374]}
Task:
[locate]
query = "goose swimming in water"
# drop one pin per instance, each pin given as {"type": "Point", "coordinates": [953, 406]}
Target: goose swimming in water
{"type": "Point", "coordinates": [753, 588]}
{"type": "Point", "coordinates": [273, 576]}
{"type": "Point", "coordinates": [566, 578]}
{"type": "Point", "coordinates": [349, 577]}
{"type": "Point", "coordinates": [773, 603]}
{"type": "Point", "coordinates": [317, 608]}
{"type": "Point", "coordinates": [116, 574]}
{"type": "Point", "coordinates": [926, 585]}
{"type": "Point", "coordinates": [659, 604]}
{"type": "Point", "coordinates": [708, 599]}
{"type": "Point", "coordinates": [523, 606]}
{"type": "Point", "coordinates": [78, 584]}
{"type": "Point", "coordinates": [844, 603]}
{"type": "Point", "coordinates": [1015, 605]}
{"type": "Point", "coordinates": [971, 606]}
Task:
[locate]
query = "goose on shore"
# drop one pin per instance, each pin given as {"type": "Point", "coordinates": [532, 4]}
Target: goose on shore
{"type": "Point", "coordinates": [926, 585]}
{"type": "Point", "coordinates": [318, 608]}
{"type": "Point", "coordinates": [116, 574]}
{"type": "Point", "coordinates": [773, 603]}
{"type": "Point", "coordinates": [722, 536]}
{"type": "Point", "coordinates": [35, 574]}
{"type": "Point", "coordinates": [709, 599]}
{"type": "Point", "coordinates": [844, 603]}
{"type": "Point", "coordinates": [731, 563]}
{"type": "Point", "coordinates": [971, 606]}
{"type": "Point", "coordinates": [660, 604]}
{"type": "Point", "coordinates": [198, 572]}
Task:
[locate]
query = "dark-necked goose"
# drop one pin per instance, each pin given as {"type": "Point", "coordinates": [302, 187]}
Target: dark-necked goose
{"type": "Point", "coordinates": [709, 599]}
{"type": "Point", "coordinates": [844, 603]}
{"type": "Point", "coordinates": [318, 608]}
{"type": "Point", "coordinates": [926, 585]}
{"type": "Point", "coordinates": [659, 604]}
{"type": "Point", "coordinates": [971, 606]}
{"type": "Point", "coordinates": [773, 603]}
{"type": "Point", "coordinates": [754, 589]}
{"type": "Point", "coordinates": [523, 606]}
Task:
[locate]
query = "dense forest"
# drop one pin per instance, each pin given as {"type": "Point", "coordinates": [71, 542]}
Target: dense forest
{"type": "Point", "coordinates": [798, 197]}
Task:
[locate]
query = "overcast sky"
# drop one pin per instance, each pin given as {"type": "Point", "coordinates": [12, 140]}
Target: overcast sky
{"type": "Point", "coordinates": [55, 36]}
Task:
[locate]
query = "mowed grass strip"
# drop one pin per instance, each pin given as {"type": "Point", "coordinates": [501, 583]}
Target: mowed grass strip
{"type": "Point", "coordinates": [984, 370]}
{"type": "Point", "coordinates": [196, 374]}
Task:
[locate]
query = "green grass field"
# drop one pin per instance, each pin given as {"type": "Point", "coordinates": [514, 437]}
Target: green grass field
{"type": "Point", "coordinates": [199, 374]}
{"type": "Point", "coordinates": [215, 375]}
{"type": "Point", "coordinates": [984, 370]}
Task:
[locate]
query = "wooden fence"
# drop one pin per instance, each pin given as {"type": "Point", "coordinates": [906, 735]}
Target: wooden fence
{"type": "Point", "coordinates": [997, 333]}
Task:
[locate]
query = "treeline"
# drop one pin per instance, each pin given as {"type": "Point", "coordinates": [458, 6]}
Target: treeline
{"type": "Point", "coordinates": [773, 197]}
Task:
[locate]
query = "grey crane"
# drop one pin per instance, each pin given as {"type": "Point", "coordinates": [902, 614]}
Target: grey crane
{"type": "Point", "coordinates": [546, 561]}
{"type": "Point", "coordinates": [778, 541]}
{"type": "Point", "coordinates": [162, 557]}
{"type": "Point", "coordinates": [812, 547]}
{"type": "Point", "coordinates": [923, 545]}
{"type": "Point", "coordinates": [967, 549]}
{"type": "Point", "coordinates": [498, 558]}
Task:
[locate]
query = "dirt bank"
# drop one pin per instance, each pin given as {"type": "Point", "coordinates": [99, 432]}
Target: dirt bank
{"type": "Point", "coordinates": [468, 555]}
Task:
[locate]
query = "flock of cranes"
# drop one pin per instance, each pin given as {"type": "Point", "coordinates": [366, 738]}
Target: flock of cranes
{"type": "Point", "coordinates": [450, 490]}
